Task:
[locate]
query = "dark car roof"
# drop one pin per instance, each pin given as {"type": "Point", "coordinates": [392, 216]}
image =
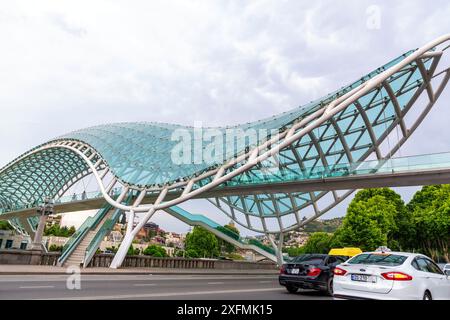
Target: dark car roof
{"type": "Point", "coordinates": [318, 255]}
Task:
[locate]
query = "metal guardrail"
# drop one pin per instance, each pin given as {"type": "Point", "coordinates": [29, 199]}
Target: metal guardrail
{"type": "Point", "coordinates": [191, 218]}
{"type": "Point", "coordinates": [105, 229]}
{"type": "Point", "coordinates": [90, 224]}
{"type": "Point", "coordinates": [394, 165]}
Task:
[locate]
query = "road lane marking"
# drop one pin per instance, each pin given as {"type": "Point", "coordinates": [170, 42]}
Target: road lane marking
{"type": "Point", "coordinates": [167, 294]}
{"type": "Point", "coordinates": [216, 282]}
{"type": "Point", "coordinates": [145, 284]}
{"type": "Point", "coordinates": [118, 277]}
{"type": "Point", "coordinates": [36, 287]}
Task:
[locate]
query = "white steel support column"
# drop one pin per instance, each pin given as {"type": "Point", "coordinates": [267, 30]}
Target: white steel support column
{"type": "Point", "coordinates": [128, 239]}
{"type": "Point", "coordinates": [278, 248]}
{"type": "Point", "coordinates": [130, 222]}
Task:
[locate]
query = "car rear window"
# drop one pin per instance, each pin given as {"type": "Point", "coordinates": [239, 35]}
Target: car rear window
{"type": "Point", "coordinates": [378, 259]}
{"type": "Point", "coordinates": [309, 259]}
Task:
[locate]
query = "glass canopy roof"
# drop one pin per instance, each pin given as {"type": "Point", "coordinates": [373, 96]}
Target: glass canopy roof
{"type": "Point", "coordinates": [140, 153]}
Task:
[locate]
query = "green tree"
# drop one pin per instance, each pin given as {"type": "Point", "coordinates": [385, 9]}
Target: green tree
{"type": "Point", "coordinates": [4, 225]}
{"type": "Point", "coordinates": [370, 220]}
{"type": "Point", "coordinates": [58, 231]}
{"type": "Point", "coordinates": [295, 251]}
{"type": "Point", "coordinates": [318, 242]}
{"type": "Point", "coordinates": [203, 242]}
{"type": "Point", "coordinates": [55, 248]}
{"type": "Point", "coordinates": [430, 210]}
{"type": "Point", "coordinates": [155, 251]}
{"type": "Point", "coordinates": [132, 251]}
{"type": "Point", "coordinates": [192, 253]}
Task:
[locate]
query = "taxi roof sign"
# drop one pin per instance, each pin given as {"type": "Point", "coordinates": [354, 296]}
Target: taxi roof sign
{"type": "Point", "coordinates": [348, 252]}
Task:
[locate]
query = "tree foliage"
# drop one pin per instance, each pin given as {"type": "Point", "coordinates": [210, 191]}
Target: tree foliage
{"type": "Point", "coordinates": [58, 231]}
{"type": "Point", "coordinates": [370, 221]}
{"type": "Point", "coordinates": [379, 217]}
{"type": "Point", "coordinates": [132, 251]}
{"type": "Point", "coordinates": [430, 221]}
{"type": "Point", "coordinates": [4, 225]}
{"type": "Point", "coordinates": [154, 250]}
{"type": "Point", "coordinates": [201, 243]}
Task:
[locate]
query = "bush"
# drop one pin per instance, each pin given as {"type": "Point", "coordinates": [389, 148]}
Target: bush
{"type": "Point", "coordinates": [155, 251]}
{"type": "Point", "coordinates": [4, 225]}
{"type": "Point", "coordinates": [57, 231]}
{"type": "Point", "coordinates": [55, 248]}
{"type": "Point", "coordinates": [133, 251]}
{"type": "Point", "coordinates": [235, 256]}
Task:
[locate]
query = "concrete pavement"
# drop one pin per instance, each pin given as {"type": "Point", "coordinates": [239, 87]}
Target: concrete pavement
{"type": "Point", "coordinates": [149, 286]}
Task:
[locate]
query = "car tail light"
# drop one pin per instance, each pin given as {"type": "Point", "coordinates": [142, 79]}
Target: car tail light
{"type": "Point", "coordinates": [396, 276]}
{"type": "Point", "coordinates": [314, 272]}
{"type": "Point", "coordinates": [283, 269]}
{"type": "Point", "coordinates": [339, 272]}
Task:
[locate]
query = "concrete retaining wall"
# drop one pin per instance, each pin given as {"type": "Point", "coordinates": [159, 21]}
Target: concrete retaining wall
{"type": "Point", "coordinates": [26, 257]}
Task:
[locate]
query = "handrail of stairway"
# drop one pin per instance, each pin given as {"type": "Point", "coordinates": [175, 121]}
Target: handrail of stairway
{"type": "Point", "coordinates": [107, 226]}
{"type": "Point", "coordinates": [79, 235]}
{"type": "Point", "coordinates": [208, 223]}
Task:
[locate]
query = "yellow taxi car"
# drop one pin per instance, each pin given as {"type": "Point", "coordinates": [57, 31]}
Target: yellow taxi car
{"type": "Point", "coordinates": [345, 252]}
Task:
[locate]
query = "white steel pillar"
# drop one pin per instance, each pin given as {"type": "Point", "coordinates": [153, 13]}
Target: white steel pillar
{"type": "Point", "coordinates": [130, 222]}
{"type": "Point", "coordinates": [128, 239]}
{"type": "Point", "coordinates": [278, 248]}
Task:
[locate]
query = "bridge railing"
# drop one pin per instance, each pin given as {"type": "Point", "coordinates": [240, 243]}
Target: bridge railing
{"type": "Point", "coordinates": [89, 224]}
{"type": "Point", "coordinates": [230, 233]}
{"type": "Point", "coordinates": [103, 232]}
{"type": "Point", "coordinates": [393, 165]}
{"type": "Point", "coordinates": [275, 175]}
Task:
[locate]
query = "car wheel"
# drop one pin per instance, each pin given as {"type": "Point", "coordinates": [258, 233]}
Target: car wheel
{"type": "Point", "coordinates": [330, 286]}
{"type": "Point", "coordinates": [427, 296]}
{"type": "Point", "coordinates": [292, 289]}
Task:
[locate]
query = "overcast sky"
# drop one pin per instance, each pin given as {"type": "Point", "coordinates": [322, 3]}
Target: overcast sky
{"type": "Point", "coordinates": [70, 64]}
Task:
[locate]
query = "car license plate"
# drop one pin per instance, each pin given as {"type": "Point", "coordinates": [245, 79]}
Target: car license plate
{"type": "Point", "coordinates": [363, 278]}
{"type": "Point", "coordinates": [295, 271]}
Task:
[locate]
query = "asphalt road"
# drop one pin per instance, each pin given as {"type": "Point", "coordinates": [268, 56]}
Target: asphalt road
{"type": "Point", "coordinates": [182, 287]}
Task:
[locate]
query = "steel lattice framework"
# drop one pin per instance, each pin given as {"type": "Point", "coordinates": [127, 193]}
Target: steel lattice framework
{"type": "Point", "coordinates": [345, 127]}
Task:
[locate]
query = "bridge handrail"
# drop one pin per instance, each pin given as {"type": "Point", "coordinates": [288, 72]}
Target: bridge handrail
{"type": "Point", "coordinates": [104, 230]}
{"type": "Point", "coordinates": [89, 224]}
{"type": "Point", "coordinates": [201, 218]}
{"type": "Point", "coordinates": [399, 164]}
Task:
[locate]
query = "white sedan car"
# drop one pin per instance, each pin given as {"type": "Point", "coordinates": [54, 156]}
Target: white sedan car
{"type": "Point", "coordinates": [390, 276]}
{"type": "Point", "coordinates": [447, 269]}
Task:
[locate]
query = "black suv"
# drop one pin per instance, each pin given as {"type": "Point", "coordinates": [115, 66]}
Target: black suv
{"type": "Point", "coordinates": [310, 271]}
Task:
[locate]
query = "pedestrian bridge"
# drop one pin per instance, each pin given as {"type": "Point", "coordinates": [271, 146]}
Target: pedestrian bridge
{"type": "Point", "coordinates": [298, 166]}
{"type": "Point", "coordinates": [427, 169]}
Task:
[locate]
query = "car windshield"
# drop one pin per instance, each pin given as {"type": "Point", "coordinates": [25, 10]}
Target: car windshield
{"type": "Point", "coordinates": [309, 259]}
{"type": "Point", "coordinates": [379, 259]}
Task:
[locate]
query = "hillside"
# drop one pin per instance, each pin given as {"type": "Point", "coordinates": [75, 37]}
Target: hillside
{"type": "Point", "coordinates": [329, 226]}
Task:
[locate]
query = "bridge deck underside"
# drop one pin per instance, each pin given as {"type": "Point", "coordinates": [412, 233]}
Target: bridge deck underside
{"type": "Point", "coordinates": [398, 179]}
